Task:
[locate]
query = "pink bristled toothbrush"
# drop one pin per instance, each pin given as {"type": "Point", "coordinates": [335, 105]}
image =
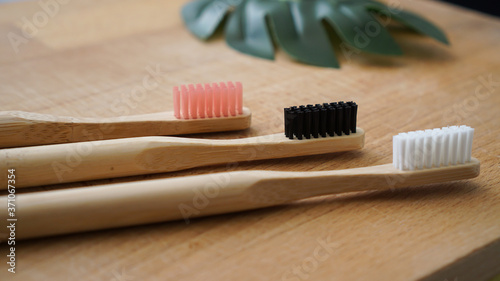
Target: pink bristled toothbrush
{"type": "Point", "coordinates": [215, 107]}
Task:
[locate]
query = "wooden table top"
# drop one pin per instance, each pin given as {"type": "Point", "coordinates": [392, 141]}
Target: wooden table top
{"type": "Point", "coordinates": [89, 55]}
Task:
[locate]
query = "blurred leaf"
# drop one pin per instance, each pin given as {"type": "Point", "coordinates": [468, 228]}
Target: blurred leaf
{"type": "Point", "coordinates": [297, 26]}
{"type": "Point", "coordinates": [203, 16]}
{"type": "Point", "coordinates": [250, 35]}
{"type": "Point", "coordinates": [411, 20]}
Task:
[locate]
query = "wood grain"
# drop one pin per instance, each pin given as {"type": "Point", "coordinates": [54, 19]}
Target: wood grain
{"type": "Point", "coordinates": [20, 128]}
{"type": "Point", "coordinates": [148, 155]}
{"type": "Point", "coordinates": [89, 58]}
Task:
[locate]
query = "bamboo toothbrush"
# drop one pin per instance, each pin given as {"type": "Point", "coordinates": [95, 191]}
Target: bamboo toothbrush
{"type": "Point", "coordinates": [326, 128]}
{"type": "Point", "coordinates": [421, 157]}
{"type": "Point", "coordinates": [215, 107]}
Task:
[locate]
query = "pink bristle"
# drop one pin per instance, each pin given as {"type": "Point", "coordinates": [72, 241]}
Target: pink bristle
{"type": "Point", "coordinates": [224, 99]}
{"type": "Point", "coordinates": [232, 98]}
{"type": "Point", "coordinates": [216, 93]}
{"type": "Point", "coordinates": [185, 102]}
{"type": "Point", "coordinates": [239, 98]}
{"type": "Point", "coordinates": [177, 103]}
{"type": "Point", "coordinates": [201, 100]}
{"type": "Point", "coordinates": [193, 106]}
{"type": "Point", "coordinates": [209, 101]}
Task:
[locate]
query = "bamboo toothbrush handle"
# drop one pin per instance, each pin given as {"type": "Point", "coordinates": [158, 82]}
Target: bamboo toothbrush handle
{"type": "Point", "coordinates": [18, 128]}
{"type": "Point", "coordinates": [53, 164]}
{"type": "Point", "coordinates": [133, 203]}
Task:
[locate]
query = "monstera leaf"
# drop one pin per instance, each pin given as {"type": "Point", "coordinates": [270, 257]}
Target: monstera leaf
{"type": "Point", "coordinates": [298, 26]}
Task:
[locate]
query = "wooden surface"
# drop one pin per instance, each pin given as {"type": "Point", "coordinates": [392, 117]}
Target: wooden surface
{"type": "Point", "coordinates": [89, 58]}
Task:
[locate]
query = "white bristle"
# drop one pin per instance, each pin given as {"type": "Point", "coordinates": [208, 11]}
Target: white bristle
{"type": "Point", "coordinates": [437, 138]}
{"type": "Point", "coordinates": [468, 149]}
{"type": "Point", "coordinates": [432, 148]}
{"type": "Point", "coordinates": [400, 148]}
{"type": "Point", "coordinates": [461, 145]}
{"type": "Point", "coordinates": [419, 146]}
{"type": "Point", "coordinates": [445, 147]}
{"type": "Point", "coordinates": [453, 145]}
{"type": "Point", "coordinates": [410, 151]}
{"type": "Point", "coordinates": [428, 148]}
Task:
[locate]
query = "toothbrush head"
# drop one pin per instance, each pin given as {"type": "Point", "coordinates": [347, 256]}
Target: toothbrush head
{"type": "Point", "coordinates": [327, 119]}
{"type": "Point", "coordinates": [208, 101]}
{"type": "Point", "coordinates": [434, 148]}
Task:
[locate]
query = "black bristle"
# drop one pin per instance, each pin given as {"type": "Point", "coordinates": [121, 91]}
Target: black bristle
{"type": "Point", "coordinates": [315, 123]}
{"type": "Point", "coordinates": [289, 122]}
{"type": "Point", "coordinates": [293, 124]}
{"type": "Point", "coordinates": [330, 120]}
{"type": "Point", "coordinates": [339, 112]}
{"type": "Point", "coordinates": [286, 112]}
{"type": "Point", "coordinates": [322, 121]}
{"type": "Point", "coordinates": [307, 123]}
{"type": "Point", "coordinates": [299, 123]}
{"type": "Point", "coordinates": [354, 115]}
{"type": "Point", "coordinates": [346, 126]}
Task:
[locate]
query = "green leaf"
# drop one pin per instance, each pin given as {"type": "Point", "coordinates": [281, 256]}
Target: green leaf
{"type": "Point", "coordinates": [412, 21]}
{"type": "Point", "coordinates": [250, 35]}
{"type": "Point", "coordinates": [422, 26]}
{"type": "Point", "coordinates": [203, 17]}
{"type": "Point", "coordinates": [358, 28]}
{"type": "Point", "coordinates": [297, 26]}
{"type": "Point", "coordinates": [301, 35]}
